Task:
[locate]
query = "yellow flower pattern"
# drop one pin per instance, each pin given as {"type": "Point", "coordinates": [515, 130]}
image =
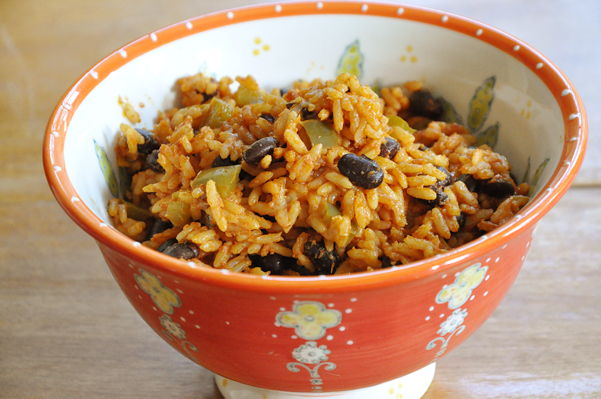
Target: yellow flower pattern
{"type": "Point", "coordinates": [163, 297]}
{"type": "Point", "coordinates": [459, 292]}
{"type": "Point", "coordinates": [309, 319]}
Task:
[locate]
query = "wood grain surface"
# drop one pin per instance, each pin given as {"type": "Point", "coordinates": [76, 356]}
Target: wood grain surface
{"type": "Point", "coordinates": [66, 331]}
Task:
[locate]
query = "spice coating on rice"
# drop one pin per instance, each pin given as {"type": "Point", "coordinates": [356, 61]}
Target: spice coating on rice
{"type": "Point", "coordinates": [328, 178]}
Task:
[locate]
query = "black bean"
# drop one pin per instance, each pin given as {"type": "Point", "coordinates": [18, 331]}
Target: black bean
{"type": "Point", "coordinates": [439, 187]}
{"type": "Point", "coordinates": [389, 148]}
{"type": "Point", "coordinates": [259, 149]}
{"type": "Point", "coordinates": [206, 220]}
{"type": "Point", "coordinates": [244, 175]}
{"type": "Point", "coordinates": [150, 142]}
{"type": "Point", "coordinates": [497, 187]}
{"type": "Point", "coordinates": [152, 160]}
{"type": "Point", "coordinates": [269, 118]}
{"type": "Point", "coordinates": [182, 251]}
{"type": "Point", "coordinates": [461, 219]}
{"type": "Point", "coordinates": [166, 244]}
{"type": "Point", "coordinates": [159, 226]}
{"type": "Point", "coordinates": [418, 122]}
{"type": "Point", "coordinates": [272, 263]}
{"type": "Point", "coordinates": [470, 182]}
{"type": "Point", "coordinates": [448, 180]}
{"type": "Point", "coordinates": [325, 261]}
{"type": "Point", "coordinates": [218, 162]}
{"type": "Point", "coordinates": [290, 105]}
{"type": "Point", "coordinates": [386, 262]}
{"type": "Point", "coordinates": [306, 114]}
{"type": "Point", "coordinates": [440, 199]}
{"type": "Point", "coordinates": [295, 267]}
{"type": "Point", "coordinates": [422, 103]}
{"type": "Point", "coordinates": [206, 96]}
{"type": "Point", "coordinates": [361, 171]}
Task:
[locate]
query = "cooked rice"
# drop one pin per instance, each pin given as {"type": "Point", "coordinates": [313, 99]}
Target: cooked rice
{"type": "Point", "coordinates": [280, 204]}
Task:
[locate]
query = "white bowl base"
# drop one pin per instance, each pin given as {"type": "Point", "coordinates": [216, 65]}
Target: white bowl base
{"type": "Point", "coordinates": [411, 386]}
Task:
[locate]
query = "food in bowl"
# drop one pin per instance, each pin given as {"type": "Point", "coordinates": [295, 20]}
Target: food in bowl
{"type": "Point", "coordinates": [326, 178]}
{"type": "Point", "coordinates": [239, 325]}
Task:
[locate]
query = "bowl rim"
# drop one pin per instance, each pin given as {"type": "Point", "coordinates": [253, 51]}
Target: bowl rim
{"type": "Point", "coordinates": [570, 103]}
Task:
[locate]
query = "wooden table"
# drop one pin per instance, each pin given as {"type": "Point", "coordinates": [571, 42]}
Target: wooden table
{"type": "Point", "coordinates": [66, 331]}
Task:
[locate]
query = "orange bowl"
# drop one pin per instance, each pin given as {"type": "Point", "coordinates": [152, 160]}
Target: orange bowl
{"type": "Point", "coordinates": [311, 335]}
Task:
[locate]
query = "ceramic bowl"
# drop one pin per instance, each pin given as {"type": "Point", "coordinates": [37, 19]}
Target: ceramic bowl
{"type": "Point", "coordinates": [366, 334]}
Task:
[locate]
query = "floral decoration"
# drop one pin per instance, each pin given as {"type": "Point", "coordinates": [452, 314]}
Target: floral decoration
{"type": "Point", "coordinates": [459, 292]}
{"type": "Point", "coordinates": [456, 295]}
{"type": "Point", "coordinates": [107, 170]}
{"type": "Point", "coordinates": [311, 353]}
{"type": "Point", "coordinates": [452, 322]}
{"type": "Point", "coordinates": [172, 327]}
{"type": "Point", "coordinates": [351, 60]}
{"type": "Point", "coordinates": [163, 297]}
{"type": "Point", "coordinates": [166, 300]}
{"type": "Point", "coordinates": [309, 319]}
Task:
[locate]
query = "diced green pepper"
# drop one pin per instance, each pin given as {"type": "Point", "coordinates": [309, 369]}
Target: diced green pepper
{"type": "Point", "coordinates": [220, 112]}
{"type": "Point", "coordinates": [226, 178]}
{"type": "Point", "coordinates": [178, 212]}
{"type": "Point", "coordinates": [321, 133]}
{"type": "Point", "coordinates": [394, 120]}
{"type": "Point", "coordinates": [245, 96]}
{"type": "Point", "coordinates": [137, 213]}
{"type": "Point", "coordinates": [330, 212]}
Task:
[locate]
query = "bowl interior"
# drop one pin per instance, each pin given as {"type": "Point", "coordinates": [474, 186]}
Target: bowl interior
{"type": "Point", "coordinates": [493, 91]}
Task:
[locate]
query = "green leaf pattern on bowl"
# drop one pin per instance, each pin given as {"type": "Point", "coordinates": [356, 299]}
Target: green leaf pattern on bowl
{"type": "Point", "coordinates": [107, 170]}
{"type": "Point", "coordinates": [351, 60]}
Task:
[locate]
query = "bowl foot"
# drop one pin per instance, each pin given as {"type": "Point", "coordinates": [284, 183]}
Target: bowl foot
{"type": "Point", "coordinates": [411, 386]}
